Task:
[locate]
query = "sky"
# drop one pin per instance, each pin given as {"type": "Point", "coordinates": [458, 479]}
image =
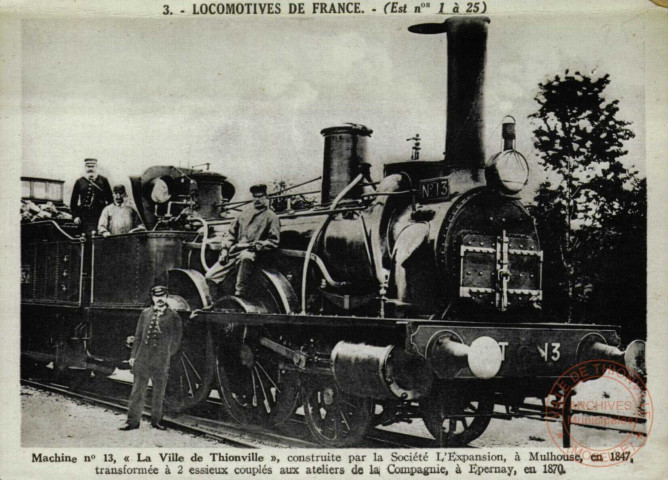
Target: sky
{"type": "Point", "coordinates": [250, 96]}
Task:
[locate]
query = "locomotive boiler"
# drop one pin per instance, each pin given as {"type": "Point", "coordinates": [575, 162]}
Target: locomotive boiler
{"type": "Point", "coordinates": [416, 295]}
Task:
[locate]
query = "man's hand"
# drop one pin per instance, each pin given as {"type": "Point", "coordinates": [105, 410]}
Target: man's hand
{"type": "Point", "coordinates": [77, 221]}
{"type": "Point", "coordinates": [256, 246]}
{"type": "Point", "coordinates": [224, 256]}
{"type": "Point", "coordinates": [131, 362]}
{"type": "Point", "coordinates": [105, 234]}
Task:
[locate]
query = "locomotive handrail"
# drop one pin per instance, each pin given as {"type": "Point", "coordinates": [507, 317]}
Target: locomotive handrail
{"type": "Point", "coordinates": [314, 213]}
{"type": "Point", "coordinates": [63, 232]}
{"type": "Point", "coordinates": [278, 193]}
{"type": "Point", "coordinates": [388, 194]}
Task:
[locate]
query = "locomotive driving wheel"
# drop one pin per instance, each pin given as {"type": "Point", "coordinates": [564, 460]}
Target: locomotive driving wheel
{"type": "Point", "coordinates": [455, 416]}
{"type": "Point", "coordinates": [192, 368]}
{"type": "Point", "coordinates": [334, 418]}
{"type": "Point", "coordinates": [256, 387]}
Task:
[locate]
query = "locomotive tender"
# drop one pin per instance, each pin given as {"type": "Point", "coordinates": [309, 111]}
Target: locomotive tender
{"type": "Point", "coordinates": [414, 296]}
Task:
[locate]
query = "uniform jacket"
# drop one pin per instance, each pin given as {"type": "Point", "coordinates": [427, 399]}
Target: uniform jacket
{"type": "Point", "coordinates": [167, 340]}
{"type": "Point", "coordinates": [254, 225]}
{"type": "Point", "coordinates": [88, 200]}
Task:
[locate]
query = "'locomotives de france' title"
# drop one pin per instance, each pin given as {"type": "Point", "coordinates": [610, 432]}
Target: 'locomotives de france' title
{"type": "Point", "coordinates": [419, 293]}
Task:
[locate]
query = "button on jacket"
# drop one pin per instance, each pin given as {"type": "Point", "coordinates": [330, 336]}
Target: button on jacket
{"type": "Point", "coordinates": [89, 197]}
{"type": "Point", "coordinates": [157, 338]}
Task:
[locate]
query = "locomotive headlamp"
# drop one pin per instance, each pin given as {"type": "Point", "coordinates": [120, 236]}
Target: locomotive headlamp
{"type": "Point", "coordinates": [508, 170]}
{"type": "Point", "coordinates": [160, 191]}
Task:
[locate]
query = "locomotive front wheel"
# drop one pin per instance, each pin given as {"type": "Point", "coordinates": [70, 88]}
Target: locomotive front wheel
{"type": "Point", "coordinates": [455, 417]}
{"type": "Point", "coordinates": [334, 418]}
{"type": "Point", "coordinates": [192, 369]}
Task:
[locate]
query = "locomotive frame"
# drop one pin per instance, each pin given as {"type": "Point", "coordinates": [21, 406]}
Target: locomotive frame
{"type": "Point", "coordinates": [433, 313]}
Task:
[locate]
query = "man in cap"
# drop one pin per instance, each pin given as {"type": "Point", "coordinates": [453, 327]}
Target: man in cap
{"type": "Point", "coordinates": [254, 235]}
{"type": "Point", "coordinates": [119, 217]}
{"type": "Point", "coordinates": [90, 194]}
{"type": "Point", "coordinates": [157, 338]}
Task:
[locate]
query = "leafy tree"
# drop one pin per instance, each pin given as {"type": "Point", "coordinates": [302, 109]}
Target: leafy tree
{"type": "Point", "coordinates": [591, 193]}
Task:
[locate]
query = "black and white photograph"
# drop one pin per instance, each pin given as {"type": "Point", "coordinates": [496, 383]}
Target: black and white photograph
{"type": "Point", "coordinates": [334, 239]}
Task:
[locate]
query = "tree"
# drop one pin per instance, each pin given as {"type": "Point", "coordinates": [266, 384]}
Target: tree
{"type": "Point", "coordinates": [579, 139]}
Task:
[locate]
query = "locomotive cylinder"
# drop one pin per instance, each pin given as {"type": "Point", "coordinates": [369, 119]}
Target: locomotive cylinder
{"type": "Point", "coordinates": [345, 151]}
{"type": "Point", "coordinates": [379, 372]}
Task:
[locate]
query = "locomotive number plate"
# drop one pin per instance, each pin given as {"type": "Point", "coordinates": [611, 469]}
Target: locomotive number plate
{"type": "Point", "coordinates": [434, 189]}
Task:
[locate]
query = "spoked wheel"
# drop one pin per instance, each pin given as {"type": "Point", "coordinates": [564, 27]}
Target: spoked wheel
{"type": "Point", "coordinates": [255, 386]}
{"type": "Point", "coordinates": [192, 368]}
{"type": "Point", "coordinates": [455, 417]}
{"type": "Point", "coordinates": [334, 418]}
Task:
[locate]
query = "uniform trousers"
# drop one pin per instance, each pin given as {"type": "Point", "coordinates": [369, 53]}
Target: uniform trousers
{"type": "Point", "coordinates": [157, 370]}
{"type": "Point", "coordinates": [245, 265]}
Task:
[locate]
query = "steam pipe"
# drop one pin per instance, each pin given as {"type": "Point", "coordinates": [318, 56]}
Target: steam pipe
{"type": "Point", "coordinates": [316, 234]}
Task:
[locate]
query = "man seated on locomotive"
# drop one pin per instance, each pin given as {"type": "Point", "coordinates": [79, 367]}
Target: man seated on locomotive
{"type": "Point", "coordinates": [254, 235]}
{"type": "Point", "coordinates": [157, 338]}
{"type": "Point", "coordinates": [119, 217]}
{"type": "Point", "coordinates": [90, 194]}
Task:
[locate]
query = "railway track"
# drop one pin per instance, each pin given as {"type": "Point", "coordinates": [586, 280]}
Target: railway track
{"type": "Point", "coordinates": [202, 421]}
{"type": "Point", "coordinates": [289, 435]}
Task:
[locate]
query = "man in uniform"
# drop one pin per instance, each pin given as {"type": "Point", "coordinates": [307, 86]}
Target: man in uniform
{"type": "Point", "coordinates": [91, 193]}
{"type": "Point", "coordinates": [119, 217]}
{"type": "Point", "coordinates": [255, 234]}
{"type": "Point", "coordinates": [157, 338]}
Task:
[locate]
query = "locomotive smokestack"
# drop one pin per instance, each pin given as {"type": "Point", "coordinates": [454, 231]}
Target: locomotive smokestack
{"type": "Point", "coordinates": [467, 47]}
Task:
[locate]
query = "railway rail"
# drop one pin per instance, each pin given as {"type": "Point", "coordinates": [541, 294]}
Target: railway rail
{"type": "Point", "coordinates": [289, 435]}
{"type": "Point", "coordinates": [293, 432]}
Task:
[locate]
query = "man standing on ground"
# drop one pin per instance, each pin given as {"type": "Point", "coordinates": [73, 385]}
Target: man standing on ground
{"type": "Point", "coordinates": [90, 194]}
{"type": "Point", "coordinates": [255, 233]}
{"type": "Point", "coordinates": [119, 217]}
{"type": "Point", "coordinates": [157, 338]}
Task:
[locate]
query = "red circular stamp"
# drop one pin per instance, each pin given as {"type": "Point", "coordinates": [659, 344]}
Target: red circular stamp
{"type": "Point", "coordinates": [603, 422]}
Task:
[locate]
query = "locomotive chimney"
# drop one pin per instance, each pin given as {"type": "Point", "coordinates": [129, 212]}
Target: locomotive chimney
{"type": "Point", "coordinates": [345, 151]}
{"type": "Point", "coordinates": [467, 45]}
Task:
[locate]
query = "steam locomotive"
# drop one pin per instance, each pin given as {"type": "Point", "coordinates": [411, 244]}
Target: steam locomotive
{"type": "Point", "coordinates": [414, 296]}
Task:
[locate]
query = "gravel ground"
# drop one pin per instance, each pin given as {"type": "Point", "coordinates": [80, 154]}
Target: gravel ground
{"type": "Point", "coordinates": [50, 420]}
